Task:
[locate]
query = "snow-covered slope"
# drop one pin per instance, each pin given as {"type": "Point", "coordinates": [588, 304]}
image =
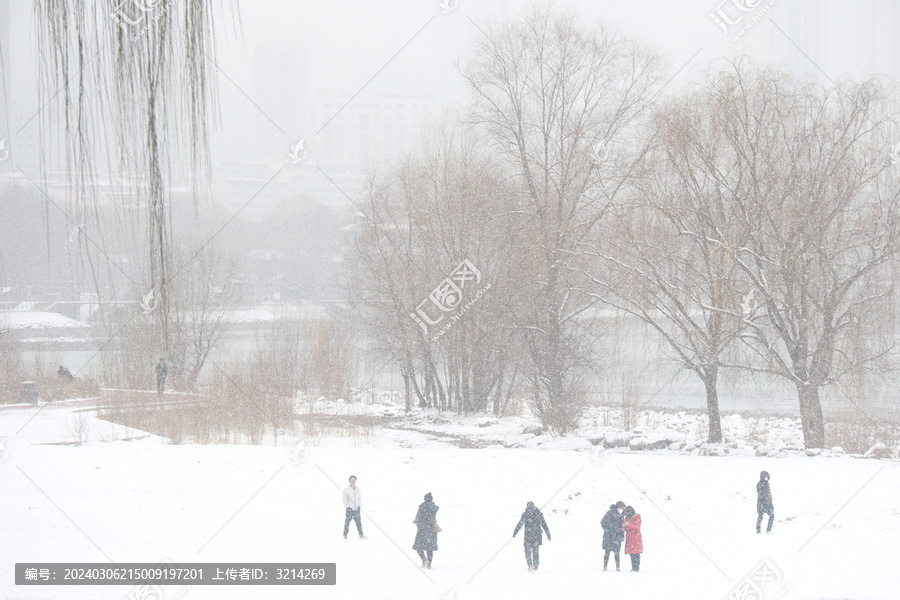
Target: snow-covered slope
{"type": "Point", "coordinates": [837, 518]}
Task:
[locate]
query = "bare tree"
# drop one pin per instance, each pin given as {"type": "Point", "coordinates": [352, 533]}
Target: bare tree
{"type": "Point", "coordinates": [204, 293]}
{"type": "Point", "coordinates": [815, 206]}
{"type": "Point", "coordinates": [443, 207]}
{"type": "Point", "coordinates": [665, 262]}
{"type": "Point", "coordinates": [203, 297]}
{"type": "Point", "coordinates": [558, 102]}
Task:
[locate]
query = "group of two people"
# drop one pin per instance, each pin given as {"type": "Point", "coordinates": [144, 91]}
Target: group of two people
{"type": "Point", "coordinates": [622, 523]}
{"type": "Point", "coordinates": [425, 521]}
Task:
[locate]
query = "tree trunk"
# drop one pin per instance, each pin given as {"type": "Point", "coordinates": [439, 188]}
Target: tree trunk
{"type": "Point", "coordinates": [712, 405]}
{"type": "Point", "coordinates": [415, 385]}
{"type": "Point", "coordinates": [406, 390]}
{"type": "Point", "coordinates": [811, 416]}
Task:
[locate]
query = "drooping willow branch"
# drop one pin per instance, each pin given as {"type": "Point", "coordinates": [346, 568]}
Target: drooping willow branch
{"type": "Point", "coordinates": [128, 88]}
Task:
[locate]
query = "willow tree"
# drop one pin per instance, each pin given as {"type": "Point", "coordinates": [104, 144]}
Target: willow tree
{"type": "Point", "coordinates": [664, 259]}
{"type": "Point", "coordinates": [129, 88]}
{"type": "Point", "coordinates": [815, 221]}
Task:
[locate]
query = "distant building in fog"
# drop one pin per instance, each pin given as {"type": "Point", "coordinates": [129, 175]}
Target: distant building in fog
{"type": "Point", "coordinates": [878, 38]}
{"type": "Point", "coordinates": [19, 130]}
{"type": "Point", "coordinates": [370, 130]}
{"type": "Point", "coordinates": [281, 78]}
{"type": "Point", "coordinates": [792, 35]}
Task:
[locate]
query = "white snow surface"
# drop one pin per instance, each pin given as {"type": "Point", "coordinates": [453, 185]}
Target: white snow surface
{"type": "Point", "coordinates": [136, 498]}
{"type": "Point", "coordinates": [32, 319]}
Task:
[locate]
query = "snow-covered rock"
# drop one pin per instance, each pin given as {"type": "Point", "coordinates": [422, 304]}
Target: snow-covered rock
{"type": "Point", "coordinates": [878, 450]}
{"type": "Point", "coordinates": [614, 439]}
{"type": "Point", "coordinates": [638, 443]}
{"type": "Point", "coordinates": [664, 440]}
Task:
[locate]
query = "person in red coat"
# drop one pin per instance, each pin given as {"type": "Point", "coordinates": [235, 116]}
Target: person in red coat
{"type": "Point", "coordinates": [634, 543]}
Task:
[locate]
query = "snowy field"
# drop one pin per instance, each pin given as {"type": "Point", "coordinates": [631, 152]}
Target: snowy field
{"type": "Point", "coordinates": [144, 500]}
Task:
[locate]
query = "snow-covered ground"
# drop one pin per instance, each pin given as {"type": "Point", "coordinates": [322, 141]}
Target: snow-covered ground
{"type": "Point", "coordinates": [30, 319]}
{"type": "Point", "coordinates": [143, 500]}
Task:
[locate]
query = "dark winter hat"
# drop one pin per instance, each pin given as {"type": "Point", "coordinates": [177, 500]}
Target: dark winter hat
{"type": "Point", "coordinates": [529, 505]}
{"type": "Point", "coordinates": [351, 477]}
{"type": "Point", "coordinates": [618, 504]}
{"type": "Point", "coordinates": [428, 497]}
{"type": "Point", "coordinates": [629, 511]}
{"type": "Point", "coordinates": [764, 475]}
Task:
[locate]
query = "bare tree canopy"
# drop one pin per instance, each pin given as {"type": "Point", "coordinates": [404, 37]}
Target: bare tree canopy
{"type": "Point", "coordinates": [806, 206]}
{"type": "Point", "coordinates": [561, 103]}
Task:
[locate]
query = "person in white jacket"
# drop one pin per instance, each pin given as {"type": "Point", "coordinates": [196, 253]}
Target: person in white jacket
{"type": "Point", "coordinates": [353, 507]}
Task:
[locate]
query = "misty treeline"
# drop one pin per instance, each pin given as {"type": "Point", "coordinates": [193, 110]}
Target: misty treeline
{"type": "Point", "coordinates": [750, 219]}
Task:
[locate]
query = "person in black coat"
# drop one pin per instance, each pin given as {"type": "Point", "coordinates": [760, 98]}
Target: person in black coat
{"type": "Point", "coordinates": [162, 371]}
{"type": "Point", "coordinates": [612, 533]}
{"type": "Point", "coordinates": [764, 502]}
{"type": "Point", "coordinates": [533, 521]}
{"type": "Point", "coordinates": [426, 536]}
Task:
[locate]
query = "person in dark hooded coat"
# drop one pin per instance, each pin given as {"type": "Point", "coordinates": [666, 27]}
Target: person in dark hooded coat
{"type": "Point", "coordinates": [764, 502]}
{"type": "Point", "coordinates": [612, 533]}
{"type": "Point", "coordinates": [426, 536]}
{"type": "Point", "coordinates": [533, 521]}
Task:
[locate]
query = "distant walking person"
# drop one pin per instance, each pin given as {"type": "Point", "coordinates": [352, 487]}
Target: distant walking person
{"type": "Point", "coordinates": [613, 533]}
{"type": "Point", "coordinates": [764, 502]}
{"type": "Point", "coordinates": [162, 371]}
{"type": "Point", "coordinates": [634, 543]}
{"type": "Point", "coordinates": [533, 521]}
{"type": "Point", "coordinates": [426, 530]}
{"type": "Point", "coordinates": [353, 507]}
